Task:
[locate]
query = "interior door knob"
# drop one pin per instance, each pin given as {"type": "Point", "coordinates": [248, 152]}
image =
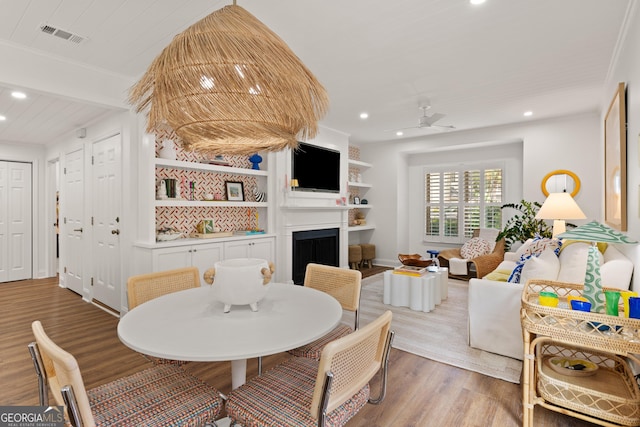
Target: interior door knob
{"type": "Point", "coordinates": [116, 231]}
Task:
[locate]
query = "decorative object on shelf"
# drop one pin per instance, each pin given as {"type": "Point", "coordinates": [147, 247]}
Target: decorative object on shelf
{"type": "Point", "coordinates": [615, 162]}
{"type": "Point", "coordinates": [206, 226]}
{"type": "Point", "coordinates": [356, 200]}
{"type": "Point", "coordinates": [192, 190]}
{"type": "Point", "coordinates": [235, 191]}
{"type": "Point", "coordinates": [364, 202]}
{"type": "Point", "coordinates": [260, 196]}
{"type": "Point", "coordinates": [239, 281]}
{"type": "Point", "coordinates": [352, 177]}
{"type": "Point", "coordinates": [255, 160]}
{"type": "Point", "coordinates": [573, 367]}
{"type": "Point", "coordinates": [595, 232]}
{"type": "Point", "coordinates": [168, 150]}
{"type": "Point", "coordinates": [218, 161]}
{"type": "Point", "coordinates": [260, 102]}
{"type": "Point", "coordinates": [294, 184]}
{"type": "Point", "coordinates": [171, 187]}
{"type": "Point", "coordinates": [558, 207]}
{"type": "Point", "coordinates": [560, 181]}
{"type": "Point", "coordinates": [161, 194]}
{"type": "Point", "coordinates": [208, 197]}
{"type": "Point", "coordinates": [166, 234]}
{"type": "Point", "coordinates": [359, 177]}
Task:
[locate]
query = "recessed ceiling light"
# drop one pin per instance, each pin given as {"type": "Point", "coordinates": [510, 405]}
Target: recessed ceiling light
{"type": "Point", "coordinates": [19, 95]}
{"type": "Point", "coordinates": [399, 133]}
{"type": "Point", "coordinates": [528, 113]}
{"type": "Point", "coordinates": [476, 1]}
{"type": "Point", "coordinates": [2, 118]}
{"type": "Point", "coordinates": [364, 116]}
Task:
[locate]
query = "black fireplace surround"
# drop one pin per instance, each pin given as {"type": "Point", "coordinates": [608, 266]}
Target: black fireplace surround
{"type": "Point", "coordinates": [317, 246]}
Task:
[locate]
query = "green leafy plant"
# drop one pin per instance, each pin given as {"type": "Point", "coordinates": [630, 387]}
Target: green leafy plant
{"type": "Point", "coordinates": [523, 225]}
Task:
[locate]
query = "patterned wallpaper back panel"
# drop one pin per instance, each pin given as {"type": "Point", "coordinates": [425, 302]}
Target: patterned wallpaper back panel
{"type": "Point", "coordinates": [226, 218]}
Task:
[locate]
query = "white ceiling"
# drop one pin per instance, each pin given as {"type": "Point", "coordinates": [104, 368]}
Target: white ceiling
{"type": "Point", "coordinates": [480, 65]}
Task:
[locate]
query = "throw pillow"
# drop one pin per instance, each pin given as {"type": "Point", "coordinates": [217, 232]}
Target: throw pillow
{"type": "Point", "coordinates": [546, 266]}
{"type": "Point", "coordinates": [533, 249]}
{"type": "Point", "coordinates": [498, 275]}
{"type": "Point", "coordinates": [602, 246]}
{"type": "Point", "coordinates": [474, 248]}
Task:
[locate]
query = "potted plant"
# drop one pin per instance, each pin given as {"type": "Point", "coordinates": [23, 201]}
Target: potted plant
{"type": "Point", "coordinates": [523, 225]}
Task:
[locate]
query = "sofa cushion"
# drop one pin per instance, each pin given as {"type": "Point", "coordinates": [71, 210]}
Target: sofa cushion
{"type": "Point", "coordinates": [546, 266]}
{"type": "Point", "coordinates": [474, 248]}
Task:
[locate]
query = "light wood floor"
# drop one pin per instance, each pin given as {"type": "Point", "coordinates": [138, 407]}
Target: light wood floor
{"type": "Point", "coordinates": [420, 392]}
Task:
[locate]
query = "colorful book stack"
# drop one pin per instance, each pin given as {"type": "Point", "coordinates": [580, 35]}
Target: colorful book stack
{"type": "Point", "coordinates": [410, 270]}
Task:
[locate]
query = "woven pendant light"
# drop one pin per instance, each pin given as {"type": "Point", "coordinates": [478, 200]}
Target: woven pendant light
{"type": "Point", "coordinates": [230, 85]}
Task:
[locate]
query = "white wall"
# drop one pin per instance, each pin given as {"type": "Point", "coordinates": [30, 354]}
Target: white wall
{"type": "Point", "coordinates": [571, 143]}
{"type": "Point", "coordinates": [627, 69]}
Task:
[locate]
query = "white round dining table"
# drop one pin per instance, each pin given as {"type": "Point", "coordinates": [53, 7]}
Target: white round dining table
{"type": "Point", "coordinates": [191, 325]}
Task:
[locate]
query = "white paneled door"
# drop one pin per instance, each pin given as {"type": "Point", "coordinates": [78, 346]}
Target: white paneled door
{"type": "Point", "coordinates": [72, 204]}
{"type": "Point", "coordinates": [15, 221]}
{"type": "Point", "coordinates": [107, 195]}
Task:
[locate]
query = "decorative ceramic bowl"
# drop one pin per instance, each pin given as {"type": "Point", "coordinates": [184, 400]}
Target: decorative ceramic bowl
{"type": "Point", "coordinates": [240, 281]}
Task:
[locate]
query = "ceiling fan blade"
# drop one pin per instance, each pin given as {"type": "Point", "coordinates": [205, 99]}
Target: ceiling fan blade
{"type": "Point", "coordinates": [430, 120]}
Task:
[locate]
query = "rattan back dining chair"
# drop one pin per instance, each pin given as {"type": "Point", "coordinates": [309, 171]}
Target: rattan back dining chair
{"type": "Point", "coordinates": [145, 287]}
{"type": "Point", "coordinates": [306, 392]}
{"type": "Point", "coordinates": [342, 284]}
{"type": "Point", "coordinates": [163, 395]}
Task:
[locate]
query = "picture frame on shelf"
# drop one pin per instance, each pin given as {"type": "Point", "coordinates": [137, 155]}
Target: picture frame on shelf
{"type": "Point", "coordinates": [235, 191]}
{"type": "Point", "coordinates": [615, 162]}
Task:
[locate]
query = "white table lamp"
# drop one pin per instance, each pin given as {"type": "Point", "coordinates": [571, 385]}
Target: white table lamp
{"type": "Point", "coordinates": [559, 207]}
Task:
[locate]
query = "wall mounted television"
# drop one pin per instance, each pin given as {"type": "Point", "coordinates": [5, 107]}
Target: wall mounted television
{"type": "Point", "coordinates": [316, 168]}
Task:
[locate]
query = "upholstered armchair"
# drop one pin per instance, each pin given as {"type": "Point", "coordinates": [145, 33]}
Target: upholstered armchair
{"type": "Point", "coordinates": [461, 267]}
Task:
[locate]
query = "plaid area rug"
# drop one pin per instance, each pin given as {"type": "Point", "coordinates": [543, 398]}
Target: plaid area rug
{"type": "Point", "coordinates": [439, 335]}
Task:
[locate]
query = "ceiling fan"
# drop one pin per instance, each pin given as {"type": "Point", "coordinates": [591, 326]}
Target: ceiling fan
{"type": "Point", "coordinates": [428, 121]}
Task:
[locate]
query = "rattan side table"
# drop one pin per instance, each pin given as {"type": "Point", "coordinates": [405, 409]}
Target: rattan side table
{"type": "Point", "coordinates": [609, 397]}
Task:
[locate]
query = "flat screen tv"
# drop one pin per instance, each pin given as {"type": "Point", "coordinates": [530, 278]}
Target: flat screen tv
{"type": "Point", "coordinates": [316, 168]}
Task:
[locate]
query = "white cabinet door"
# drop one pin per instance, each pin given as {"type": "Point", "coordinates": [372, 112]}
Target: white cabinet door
{"type": "Point", "coordinates": [263, 249]}
{"type": "Point", "coordinates": [254, 248]}
{"type": "Point", "coordinates": [171, 258]}
{"type": "Point", "coordinates": [205, 256]}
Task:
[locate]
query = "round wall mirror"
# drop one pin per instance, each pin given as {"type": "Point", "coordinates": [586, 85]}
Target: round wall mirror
{"type": "Point", "coordinates": [560, 181]}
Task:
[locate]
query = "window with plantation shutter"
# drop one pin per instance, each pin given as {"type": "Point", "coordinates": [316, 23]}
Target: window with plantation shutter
{"type": "Point", "coordinates": [460, 200]}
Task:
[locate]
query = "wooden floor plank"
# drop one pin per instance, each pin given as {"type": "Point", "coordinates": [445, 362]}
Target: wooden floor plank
{"type": "Point", "coordinates": [420, 392]}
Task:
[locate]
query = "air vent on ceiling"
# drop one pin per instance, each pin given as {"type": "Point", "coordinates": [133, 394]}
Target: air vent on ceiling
{"type": "Point", "coordinates": [62, 34]}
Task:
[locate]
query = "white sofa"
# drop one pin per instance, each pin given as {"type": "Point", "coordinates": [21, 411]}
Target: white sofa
{"type": "Point", "coordinates": [494, 306]}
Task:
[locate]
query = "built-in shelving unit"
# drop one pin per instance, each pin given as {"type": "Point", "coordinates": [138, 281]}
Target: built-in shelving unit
{"type": "Point", "coordinates": [205, 167]}
{"type": "Point", "coordinates": [361, 188]}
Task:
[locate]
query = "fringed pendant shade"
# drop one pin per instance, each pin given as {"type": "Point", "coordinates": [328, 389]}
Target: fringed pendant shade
{"type": "Point", "coordinates": [230, 85]}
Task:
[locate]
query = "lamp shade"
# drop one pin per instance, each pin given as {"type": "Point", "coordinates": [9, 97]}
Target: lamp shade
{"type": "Point", "coordinates": [560, 206]}
{"type": "Point", "coordinates": [230, 85]}
{"type": "Point", "coordinates": [595, 232]}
